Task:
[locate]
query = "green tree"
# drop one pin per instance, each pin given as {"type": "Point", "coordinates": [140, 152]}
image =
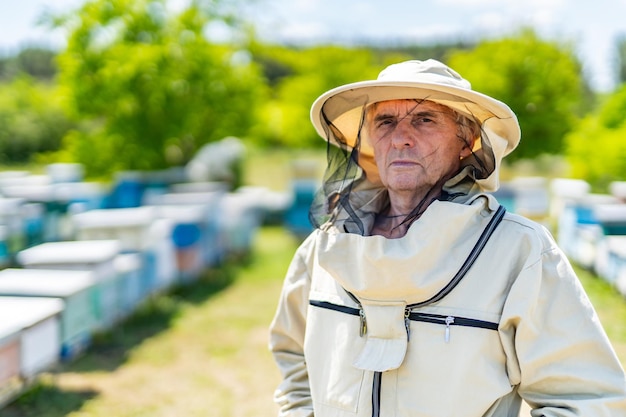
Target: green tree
{"type": "Point", "coordinates": [149, 87]}
{"type": "Point", "coordinates": [35, 61]}
{"type": "Point", "coordinates": [596, 149]}
{"type": "Point", "coordinates": [298, 77]}
{"type": "Point", "coordinates": [541, 81]}
{"type": "Point", "coordinates": [32, 119]}
{"type": "Point", "coordinates": [621, 58]}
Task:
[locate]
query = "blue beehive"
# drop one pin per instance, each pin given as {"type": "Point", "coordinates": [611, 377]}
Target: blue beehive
{"type": "Point", "coordinates": [579, 230]}
{"type": "Point", "coordinates": [208, 232]}
{"type": "Point", "coordinates": [297, 215]}
{"type": "Point", "coordinates": [39, 189]}
{"type": "Point", "coordinates": [188, 228]}
{"type": "Point", "coordinates": [612, 218]}
{"type": "Point", "coordinates": [127, 190]}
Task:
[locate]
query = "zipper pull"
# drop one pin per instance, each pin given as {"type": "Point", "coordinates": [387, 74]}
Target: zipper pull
{"type": "Point", "coordinates": [449, 321]}
{"type": "Point", "coordinates": [363, 324]}
{"type": "Point", "coordinates": [407, 323]}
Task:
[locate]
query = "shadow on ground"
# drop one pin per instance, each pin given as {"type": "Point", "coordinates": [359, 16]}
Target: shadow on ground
{"type": "Point", "coordinates": [45, 399]}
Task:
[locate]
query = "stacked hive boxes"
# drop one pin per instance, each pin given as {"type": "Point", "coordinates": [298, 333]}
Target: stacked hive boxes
{"type": "Point", "coordinates": [592, 228]}
{"type": "Point", "coordinates": [76, 258]}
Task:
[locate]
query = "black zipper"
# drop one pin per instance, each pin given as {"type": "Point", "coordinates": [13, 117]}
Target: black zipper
{"type": "Point", "coordinates": [458, 321]}
{"type": "Point", "coordinates": [415, 316]}
{"type": "Point", "coordinates": [449, 321]}
{"type": "Point", "coordinates": [336, 307]}
{"type": "Point", "coordinates": [376, 394]}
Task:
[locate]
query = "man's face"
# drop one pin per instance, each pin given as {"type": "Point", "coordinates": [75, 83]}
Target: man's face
{"type": "Point", "coordinates": [416, 144]}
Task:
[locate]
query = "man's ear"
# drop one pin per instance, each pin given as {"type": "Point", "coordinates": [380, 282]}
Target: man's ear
{"type": "Point", "coordinates": [467, 149]}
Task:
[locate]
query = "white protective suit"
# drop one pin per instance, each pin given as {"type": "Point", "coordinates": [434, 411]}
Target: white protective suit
{"type": "Point", "coordinates": [517, 325]}
{"type": "Point", "coordinates": [470, 312]}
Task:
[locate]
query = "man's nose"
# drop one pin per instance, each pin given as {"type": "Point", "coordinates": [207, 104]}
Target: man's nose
{"type": "Point", "coordinates": [403, 136]}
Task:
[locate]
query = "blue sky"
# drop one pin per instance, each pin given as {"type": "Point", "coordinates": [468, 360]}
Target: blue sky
{"type": "Point", "coordinates": [591, 25]}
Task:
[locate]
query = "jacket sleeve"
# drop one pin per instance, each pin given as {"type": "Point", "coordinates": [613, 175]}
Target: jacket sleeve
{"type": "Point", "coordinates": [287, 330]}
{"type": "Point", "coordinates": [558, 353]}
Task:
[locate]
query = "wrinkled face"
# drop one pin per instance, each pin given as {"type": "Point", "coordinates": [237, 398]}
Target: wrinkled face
{"type": "Point", "coordinates": [416, 144]}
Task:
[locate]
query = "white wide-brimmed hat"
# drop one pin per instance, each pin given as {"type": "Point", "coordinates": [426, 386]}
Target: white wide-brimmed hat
{"type": "Point", "coordinates": [342, 107]}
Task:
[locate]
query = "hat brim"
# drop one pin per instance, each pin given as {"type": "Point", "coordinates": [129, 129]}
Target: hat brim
{"type": "Point", "coordinates": [343, 106]}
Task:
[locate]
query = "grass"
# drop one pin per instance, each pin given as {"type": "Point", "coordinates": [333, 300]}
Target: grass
{"type": "Point", "coordinates": [611, 308]}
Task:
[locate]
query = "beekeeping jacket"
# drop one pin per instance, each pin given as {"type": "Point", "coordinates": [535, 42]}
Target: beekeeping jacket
{"type": "Point", "coordinates": [468, 314]}
{"type": "Point", "coordinates": [517, 325]}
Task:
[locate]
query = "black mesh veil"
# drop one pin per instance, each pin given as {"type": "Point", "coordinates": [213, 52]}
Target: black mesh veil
{"type": "Point", "coordinates": [350, 197]}
{"type": "Point", "coordinates": [342, 173]}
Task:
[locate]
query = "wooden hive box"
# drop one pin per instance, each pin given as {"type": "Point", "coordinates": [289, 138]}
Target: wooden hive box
{"type": "Point", "coordinates": [95, 256]}
{"type": "Point", "coordinates": [10, 379]}
{"type": "Point", "coordinates": [79, 318]}
{"type": "Point", "coordinates": [39, 320]}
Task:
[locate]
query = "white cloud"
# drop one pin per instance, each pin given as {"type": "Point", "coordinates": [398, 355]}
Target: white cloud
{"type": "Point", "coordinates": [430, 32]}
{"type": "Point", "coordinates": [465, 4]}
{"type": "Point", "coordinates": [304, 31]}
{"type": "Point", "coordinates": [177, 6]}
{"type": "Point", "coordinates": [306, 6]}
{"type": "Point", "coordinates": [491, 22]}
{"type": "Point", "coordinates": [544, 18]}
{"type": "Point", "coordinates": [591, 24]}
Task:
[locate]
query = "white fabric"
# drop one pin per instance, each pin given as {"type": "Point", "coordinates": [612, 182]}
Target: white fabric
{"type": "Point", "coordinates": [386, 337]}
{"type": "Point", "coordinates": [549, 348]}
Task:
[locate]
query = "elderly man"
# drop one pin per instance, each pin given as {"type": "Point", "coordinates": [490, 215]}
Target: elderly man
{"type": "Point", "coordinates": [417, 294]}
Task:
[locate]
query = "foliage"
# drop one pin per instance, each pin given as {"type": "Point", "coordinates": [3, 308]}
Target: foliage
{"type": "Point", "coordinates": [612, 111]}
{"type": "Point", "coordinates": [31, 119]}
{"type": "Point", "coordinates": [298, 77]}
{"type": "Point", "coordinates": [38, 62]}
{"type": "Point", "coordinates": [540, 80]}
{"type": "Point", "coordinates": [438, 51]}
{"type": "Point", "coordinates": [596, 149]}
{"type": "Point", "coordinates": [150, 88]}
{"type": "Point", "coordinates": [621, 58]}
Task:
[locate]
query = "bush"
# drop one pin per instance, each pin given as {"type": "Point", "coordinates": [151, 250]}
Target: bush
{"type": "Point", "coordinates": [31, 120]}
